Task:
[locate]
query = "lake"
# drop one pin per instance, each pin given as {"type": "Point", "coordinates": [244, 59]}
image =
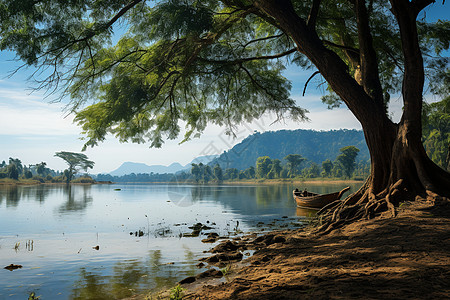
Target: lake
{"type": "Point", "coordinates": [110, 241]}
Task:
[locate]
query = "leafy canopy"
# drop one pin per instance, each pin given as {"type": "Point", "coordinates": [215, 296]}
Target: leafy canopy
{"type": "Point", "coordinates": [75, 161]}
{"type": "Point", "coordinates": [189, 63]}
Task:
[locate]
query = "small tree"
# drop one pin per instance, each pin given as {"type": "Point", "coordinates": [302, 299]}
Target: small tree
{"type": "Point", "coordinates": [18, 163]}
{"type": "Point", "coordinates": [76, 162]}
{"type": "Point", "coordinates": [436, 131]}
{"type": "Point", "coordinates": [13, 172]}
{"type": "Point", "coordinates": [312, 172]}
{"type": "Point", "coordinates": [294, 162]}
{"type": "Point", "coordinates": [275, 169]}
{"type": "Point", "coordinates": [207, 173]}
{"type": "Point", "coordinates": [231, 173]}
{"type": "Point", "coordinates": [250, 172]}
{"type": "Point", "coordinates": [263, 166]}
{"type": "Point", "coordinates": [347, 159]}
{"type": "Point", "coordinates": [218, 173]}
{"type": "Point", "coordinates": [196, 172]}
{"type": "Point", "coordinates": [40, 168]}
{"type": "Point", "coordinates": [327, 166]}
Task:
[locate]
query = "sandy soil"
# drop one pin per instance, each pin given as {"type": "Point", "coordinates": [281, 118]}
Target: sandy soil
{"type": "Point", "coordinates": [406, 257]}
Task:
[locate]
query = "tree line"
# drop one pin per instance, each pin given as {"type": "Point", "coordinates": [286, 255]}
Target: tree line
{"type": "Point", "coordinates": [344, 166]}
{"type": "Point", "coordinates": [76, 162]}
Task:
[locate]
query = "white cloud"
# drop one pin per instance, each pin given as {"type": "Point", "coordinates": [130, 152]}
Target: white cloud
{"type": "Point", "coordinates": [25, 114]}
{"type": "Point", "coordinates": [35, 121]}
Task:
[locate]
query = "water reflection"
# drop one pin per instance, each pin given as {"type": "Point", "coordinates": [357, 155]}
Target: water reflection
{"type": "Point", "coordinates": [305, 212]}
{"type": "Point", "coordinates": [13, 194]}
{"type": "Point", "coordinates": [125, 264]}
{"type": "Point", "coordinates": [133, 276]}
{"type": "Point", "coordinates": [75, 200]}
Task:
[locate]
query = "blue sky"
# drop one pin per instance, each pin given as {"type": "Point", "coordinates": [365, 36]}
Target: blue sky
{"type": "Point", "coordinates": [32, 129]}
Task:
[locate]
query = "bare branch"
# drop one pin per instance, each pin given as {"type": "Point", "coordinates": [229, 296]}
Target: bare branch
{"type": "Point", "coordinates": [307, 81]}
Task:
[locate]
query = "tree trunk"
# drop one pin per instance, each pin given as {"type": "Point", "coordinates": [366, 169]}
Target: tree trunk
{"type": "Point", "coordinates": [400, 167]}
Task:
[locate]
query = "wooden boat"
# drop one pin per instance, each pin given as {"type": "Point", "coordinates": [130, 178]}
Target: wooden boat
{"type": "Point", "coordinates": [316, 201]}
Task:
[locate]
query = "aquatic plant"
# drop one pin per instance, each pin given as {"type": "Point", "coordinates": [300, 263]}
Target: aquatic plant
{"type": "Point", "coordinates": [176, 293]}
{"type": "Point", "coordinates": [226, 270]}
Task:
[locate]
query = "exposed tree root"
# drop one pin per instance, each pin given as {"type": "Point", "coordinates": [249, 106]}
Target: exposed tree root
{"type": "Point", "coordinates": [364, 204]}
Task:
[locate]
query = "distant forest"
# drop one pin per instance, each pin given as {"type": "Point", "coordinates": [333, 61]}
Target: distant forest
{"type": "Point", "coordinates": [315, 146]}
{"type": "Point", "coordinates": [245, 160]}
{"type": "Point", "coordinates": [263, 155]}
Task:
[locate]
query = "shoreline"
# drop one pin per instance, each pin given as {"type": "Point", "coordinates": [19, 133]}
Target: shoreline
{"type": "Point", "coordinates": [405, 257]}
{"type": "Point", "coordinates": [37, 182]}
{"type": "Point", "coordinates": [318, 181]}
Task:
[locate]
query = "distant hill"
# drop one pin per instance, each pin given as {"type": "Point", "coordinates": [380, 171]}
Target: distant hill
{"type": "Point", "coordinates": [141, 168]}
{"type": "Point", "coordinates": [316, 146]}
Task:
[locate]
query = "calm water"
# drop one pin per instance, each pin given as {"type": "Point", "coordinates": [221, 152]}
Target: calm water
{"type": "Point", "coordinates": [52, 231]}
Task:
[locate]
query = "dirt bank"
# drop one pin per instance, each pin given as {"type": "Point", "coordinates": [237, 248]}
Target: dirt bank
{"type": "Point", "coordinates": [406, 257]}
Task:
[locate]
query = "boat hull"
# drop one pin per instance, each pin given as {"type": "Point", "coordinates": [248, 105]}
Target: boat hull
{"type": "Point", "coordinates": [316, 201]}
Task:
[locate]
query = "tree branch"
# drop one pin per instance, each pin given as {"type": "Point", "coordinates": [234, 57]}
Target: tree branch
{"type": "Point", "coordinates": [307, 81]}
{"type": "Point", "coordinates": [212, 37]}
{"type": "Point", "coordinates": [312, 18]}
{"type": "Point", "coordinates": [343, 47]}
{"type": "Point", "coordinates": [419, 5]}
{"type": "Point", "coordinates": [122, 12]}
{"type": "Point", "coordinates": [367, 57]}
{"type": "Point", "coordinates": [263, 39]}
{"type": "Point", "coordinates": [239, 61]}
{"type": "Point", "coordinates": [413, 79]}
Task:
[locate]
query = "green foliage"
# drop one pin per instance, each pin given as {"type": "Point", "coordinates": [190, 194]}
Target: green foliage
{"type": "Point", "coordinates": [347, 159]}
{"type": "Point", "coordinates": [313, 171]}
{"type": "Point", "coordinates": [293, 163]}
{"type": "Point", "coordinates": [196, 172]}
{"type": "Point", "coordinates": [39, 178]}
{"type": "Point", "coordinates": [176, 293]}
{"type": "Point", "coordinates": [33, 296]}
{"type": "Point", "coordinates": [192, 63]}
{"type": "Point", "coordinates": [203, 173]}
{"type": "Point", "coordinates": [263, 166]}
{"type": "Point", "coordinates": [436, 131]}
{"type": "Point", "coordinates": [27, 174]}
{"type": "Point", "coordinates": [17, 163]}
{"type": "Point", "coordinates": [250, 172]}
{"type": "Point", "coordinates": [275, 169]}
{"type": "Point", "coordinates": [226, 270]}
{"type": "Point", "coordinates": [83, 179]}
{"type": "Point", "coordinates": [13, 171]}
{"type": "Point", "coordinates": [327, 166]}
{"type": "Point", "coordinates": [41, 168]}
{"type": "Point", "coordinates": [218, 173]}
{"type": "Point", "coordinates": [180, 61]}
{"type": "Point", "coordinates": [76, 162]}
{"type": "Point", "coordinates": [316, 146]}
{"type": "Point", "coordinates": [231, 174]}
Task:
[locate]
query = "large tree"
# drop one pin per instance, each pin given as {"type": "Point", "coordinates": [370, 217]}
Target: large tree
{"type": "Point", "coordinates": [75, 162]}
{"type": "Point", "coordinates": [222, 62]}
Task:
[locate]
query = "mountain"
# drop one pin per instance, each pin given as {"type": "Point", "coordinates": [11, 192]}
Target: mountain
{"type": "Point", "coordinates": [141, 168]}
{"type": "Point", "coordinates": [315, 146]}
{"type": "Point", "coordinates": [132, 167]}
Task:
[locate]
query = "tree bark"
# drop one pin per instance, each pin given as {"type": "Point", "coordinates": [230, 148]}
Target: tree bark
{"type": "Point", "coordinates": [400, 167]}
